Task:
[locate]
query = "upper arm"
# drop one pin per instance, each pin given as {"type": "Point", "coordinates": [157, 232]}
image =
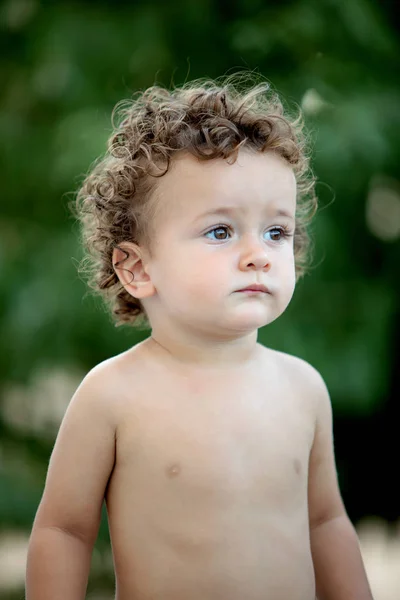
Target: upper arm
{"type": "Point", "coordinates": [81, 463]}
{"type": "Point", "coordinates": [324, 498]}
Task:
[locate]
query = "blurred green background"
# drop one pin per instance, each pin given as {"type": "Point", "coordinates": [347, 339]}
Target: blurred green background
{"type": "Point", "coordinates": [63, 67]}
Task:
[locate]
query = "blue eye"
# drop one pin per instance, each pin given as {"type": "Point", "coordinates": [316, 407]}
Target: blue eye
{"type": "Point", "coordinates": [220, 233]}
{"type": "Point", "coordinates": [277, 234]}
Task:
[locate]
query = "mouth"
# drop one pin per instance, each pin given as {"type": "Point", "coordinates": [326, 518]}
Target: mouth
{"type": "Point", "coordinates": [256, 289]}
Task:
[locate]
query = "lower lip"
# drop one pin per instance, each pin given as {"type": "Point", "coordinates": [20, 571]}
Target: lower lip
{"type": "Point", "coordinates": [252, 292]}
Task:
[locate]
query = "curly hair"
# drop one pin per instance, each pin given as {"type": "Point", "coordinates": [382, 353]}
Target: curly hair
{"type": "Point", "coordinates": [208, 119]}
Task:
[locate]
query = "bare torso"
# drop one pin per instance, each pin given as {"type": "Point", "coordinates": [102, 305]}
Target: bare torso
{"type": "Point", "coordinates": [208, 497]}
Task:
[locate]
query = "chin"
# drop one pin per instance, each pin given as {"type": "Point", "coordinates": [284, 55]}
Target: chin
{"type": "Point", "coordinates": [250, 322]}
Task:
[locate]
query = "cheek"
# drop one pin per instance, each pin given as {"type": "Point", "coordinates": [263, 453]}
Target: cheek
{"type": "Point", "coordinates": [284, 269]}
{"type": "Point", "coordinates": [288, 273]}
{"type": "Point", "coordinates": [206, 274]}
{"type": "Point", "coordinates": [188, 271]}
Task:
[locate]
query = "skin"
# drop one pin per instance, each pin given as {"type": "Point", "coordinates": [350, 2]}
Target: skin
{"type": "Point", "coordinates": [214, 453]}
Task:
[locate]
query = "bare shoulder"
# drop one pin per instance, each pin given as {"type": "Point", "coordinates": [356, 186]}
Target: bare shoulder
{"type": "Point", "coordinates": [94, 396]}
{"type": "Point", "coordinates": [97, 388]}
{"type": "Point", "coordinates": [84, 454]}
{"type": "Point", "coordinates": [111, 378]}
{"type": "Point", "coordinates": [301, 373]}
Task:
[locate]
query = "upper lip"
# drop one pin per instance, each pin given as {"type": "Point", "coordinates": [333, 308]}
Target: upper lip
{"type": "Point", "coordinates": [256, 287]}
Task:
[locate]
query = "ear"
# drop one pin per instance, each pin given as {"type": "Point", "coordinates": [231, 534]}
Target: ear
{"type": "Point", "coordinates": [129, 266]}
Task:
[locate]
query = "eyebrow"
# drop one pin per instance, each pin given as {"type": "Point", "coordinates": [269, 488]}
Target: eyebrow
{"type": "Point", "coordinates": [228, 211]}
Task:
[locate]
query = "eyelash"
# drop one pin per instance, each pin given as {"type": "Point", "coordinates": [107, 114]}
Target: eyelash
{"type": "Point", "coordinates": [284, 231]}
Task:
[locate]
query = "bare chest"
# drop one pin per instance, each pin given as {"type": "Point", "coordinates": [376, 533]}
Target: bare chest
{"type": "Point", "coordinates": [213, 442]}
{"type": "Point", "coordinates": [208, 497]}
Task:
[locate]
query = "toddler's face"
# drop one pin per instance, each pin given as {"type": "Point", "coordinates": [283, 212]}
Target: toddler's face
{"type": "Point", "coordinates": [221, 228]}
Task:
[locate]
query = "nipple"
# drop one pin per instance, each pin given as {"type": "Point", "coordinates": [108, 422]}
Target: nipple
{"type": "Point", "coordinates": [297, 465]}
{"type": "Point", "coordinates": [173, 470]}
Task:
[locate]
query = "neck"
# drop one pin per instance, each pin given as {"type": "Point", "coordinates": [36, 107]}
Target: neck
{"type": "Point", "coordinates": [196, 351]}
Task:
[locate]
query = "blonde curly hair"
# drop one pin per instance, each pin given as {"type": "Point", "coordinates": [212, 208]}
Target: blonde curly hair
{"type": "Point", "coordinates": [208, 119]}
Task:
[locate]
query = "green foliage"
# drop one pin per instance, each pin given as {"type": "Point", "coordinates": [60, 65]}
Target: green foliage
{"type": "Point", "coordinates": [63, 68]}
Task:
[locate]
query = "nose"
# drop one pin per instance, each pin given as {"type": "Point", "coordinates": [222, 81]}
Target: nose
{"type": "Point", "coordinates": [254, 256]}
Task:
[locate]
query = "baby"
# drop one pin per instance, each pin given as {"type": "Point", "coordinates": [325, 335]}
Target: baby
{"type": "Point", "coordinates": [214, 454]}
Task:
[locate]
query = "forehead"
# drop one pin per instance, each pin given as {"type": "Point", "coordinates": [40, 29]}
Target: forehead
{"type": "Point", "coordinates": [256, 181]}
